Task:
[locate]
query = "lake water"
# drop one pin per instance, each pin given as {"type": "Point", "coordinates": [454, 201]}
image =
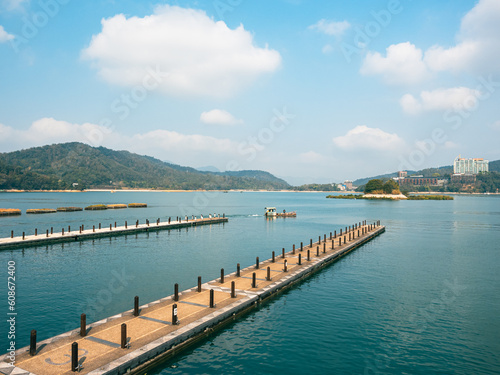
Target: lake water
{"type": "Point", "coordinates": [424, 297]}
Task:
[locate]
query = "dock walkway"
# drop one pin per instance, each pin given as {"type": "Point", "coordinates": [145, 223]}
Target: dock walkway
{"type": "Point", "coordinates": [102, 348]}
{"type": "Point", "coordinates": [51, 237]}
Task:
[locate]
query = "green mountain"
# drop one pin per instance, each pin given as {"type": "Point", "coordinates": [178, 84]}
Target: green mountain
{"type": "Point", "coordinates": [59, 166]}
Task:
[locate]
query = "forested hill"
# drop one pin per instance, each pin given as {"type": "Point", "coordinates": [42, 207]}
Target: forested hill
{"type": "Point", "coordinates": [59, 166]}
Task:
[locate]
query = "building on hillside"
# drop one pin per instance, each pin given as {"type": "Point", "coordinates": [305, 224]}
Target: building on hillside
{"type": "Point", "coordinates": [402, 174]}
{"type": "Point", "coordinates": [420, 180]}
{"type": "Point", "coordinates": [348, 184]}
{"type": "Point", "coordinates": [470, 166]}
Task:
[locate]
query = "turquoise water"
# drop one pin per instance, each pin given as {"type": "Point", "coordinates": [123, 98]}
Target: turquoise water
{"type": "Point", "coordinates": [421, 298]}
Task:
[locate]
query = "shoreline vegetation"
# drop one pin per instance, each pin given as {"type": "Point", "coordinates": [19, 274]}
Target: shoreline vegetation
{"type": "Point", "coordinates": [394, 198]}
{"type": "Point", "coordinates": [94, 207]}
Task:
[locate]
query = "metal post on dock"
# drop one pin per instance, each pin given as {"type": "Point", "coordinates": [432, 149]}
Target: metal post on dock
{"type": "Point", "coordinates": [358, 232]}
{"type": "Point", "coordinates": [169, 220]}
{"type": "Point", "coordinates": [340, 241]}
{"type": "Point", "coordinates": [301, 246]}
{"type": "Point", "coordinates": [74, 357]}
{"type": "Point", "coordinates": [341, 231]}
{"type": "Point", "coordinates": [283, 253]}
{"type": "Point", "coordinates": [93, 228]}
{"type": "Point", "coordinates": [33, 342]}
{"type": "Point", "coordinates": [319, 240]}
{"type": "Point", "coordinates": [345, 237]}
{"type": "Point", "coordinates": [69, 228]}
{"type": "Point", "coordinates": [115, 224]}
{"type": "Point", "coordinates": [254, 281]}
{"type": "Point", "coordinates": [176, 292]}
{"type": "Point", "coordinates": [36, 232]}
{"type": "Point", "coordinates": [110, 227]}
{"type": "Point", "coordinates": [335, 234]}
{"type": "Point", "coordinates": [268, 273]}
{"type": "Point", "coordinates": [174, 315]}
{"type": "Point", "coordinates": [83, 325]}
{"type": "Point", "coordinates": [11, 234]}
{"type": "Point", "coordinates": [285, 265]}
{"type": "Point", "coordinates": [51, 230]}
{"type": "Point", "coordinates": [273, 259]}
{"type": "Point", "coordinates": [333, 246]}
{"type": "Point", "coordinates": [199, 284]}
{"type": "Point", "coordinates": [324, 247]}
{"type": "Point", "coordinates": [293, 249]}
{"type": "Point", "coordinates": [233, 291]}
{"type": "Point", "coordinates": [222, 275]}
{"type": "Point", "coordinates": [123, 336]}
{"type": "Point", "coordinates": [238, 274]}
{"type": "Point", "coordinates": [23, 235]}
{"type": "Point", "coordinates": [308, 255]}
{"type": "Point", "coordinates": [126, 226]}
{"type": "Point", "coordinates": [257, 263]}
{"type": "Point", "coordinates": [62, 232]}
{"type": "Point", "coordinates": [80, 229]}
{"type": "Point", "coordinates": [300, 259]}
{"type": "Point", "coordinates": [47, 233]}
{"type": "Point", "coordinates": [212, 304]}
{"type": "Point", "coordinates": [311, 242]}
{"type": "Point", "coordinates": [317, 251]}
{"type": "Point", "coordinates": [136, 306]}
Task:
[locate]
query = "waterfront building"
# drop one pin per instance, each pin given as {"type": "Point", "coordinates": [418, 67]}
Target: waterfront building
{"type": "Point", "coordinates": [470, 166]}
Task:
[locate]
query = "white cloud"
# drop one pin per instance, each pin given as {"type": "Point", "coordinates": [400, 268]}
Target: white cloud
{"type": "Point", "coordinates": [4, 35]}
{"type": "Point", "coordinates": [219, 117]}
{"type": "Point", "coordinates": [163, 144]}
{"type": "Point", "coordinates": [478, 47]}
{"type": "Point", "coordinates": [494, 126]}
{"type": "Point", "coordinates": [327, 49]}
{"type": "Point", "coordinates": [11, 5]}
{"type": "Point", "coordinates": [330, 27]}
{"type": "Point", "coordinates": [196, 55]}
{"type": "Point", "coordinates": [402, 64]}
{"type": "Point", "coordinates": [363, 137]}
{"type": "Point", "coordinates": [477, 51]}
{"type": "Point", "coordinates": [440, 100]}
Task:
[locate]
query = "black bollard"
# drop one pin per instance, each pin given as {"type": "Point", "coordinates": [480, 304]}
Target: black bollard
{"type": "Point", "coordinates": [330, 236]}
{"type": "Point", "coordinates": [340, 241]}
{"type": "Point", "coordinates": [110, 227]}
{"type": "Point", "coordinates": [47, 233]}
{"type": "Point", "coordinates": [300, 259]}
{"type": "Point", "coordinates": [333, 246]}
{"type": "Point", "coordinates": [273, 259]}
{"type": "Point", "coordinates": [319, 240]}
{"type": "Point", "coordinates": [23, 235]}
{"type": "Point", "coordinates": [80, 229]}
{"type": "Point", "coordinates": [311, 242]}
{"type": "Point", "coordinates": [83, 325]}
{"type": "Point", "coordinates": [176, 292]}
{"type": "Point", "coordinates": [293, 249]}
{"type": "Point", "coordinates": [308, 255]}
{"type": "Point", "coordinates": [83, 228]}
{"type": "Point", "coordinates": [69, 228]}
{"type": "Point", "coordinates": [257, 263]}
{"type": "Point", "coordinates": [268, 273]}
{"type": "Point", "coordinates": [137, 223]}
{"type": "Point", "coordinates": [301, 246]}
{"type": "Point", "coordinates": [238, 270]}
{"type": "Point", "coordinates": [233, 289]}
{"type": "Point", "coordinates": [33, 342]}
{"type": "Point", "coordinates": [199, 284]}
{"type": "Point", "coordinates": [36, 232]}
{"type": "Point", "coordinates": [126, 224]}
{"type": "Point", "coordinates": [324, 247]}
{"type": "Point", "coordinates": [317, 251]}
{"type": "Point", "coordinates": [124, 336]}
{"type": "Point", "coordinates": [51, 230]}
{"type": "Point", "coordinates": [11, 234]}
{"type": "Point", "coordinates": [341, 231]}
{"type": "Point", "coordinates": [212, 304]}
{"type": "Point", "coordinates": [169, 220]}
{"type": "Point", "coordinates": [93, 228]}
{"type": "Point", "coordinates": [335, 234]}
{"type": "Point", "coordinates": [174, 314]}
{"type": "Point", "coordinates": [358, 232]}
{"type": "Point", "coordinates": [222, 275]}
{"type": "Point", "coordinates": [62, 231]}
{"type": "Point", "coordinates": [136, 306]}
{"type": "Point", "coordinates": [283, 253]}
{"type": "Point", "coordinates": [74, 357]}
{"type": "Point", "coordinates": [254, 281]}
{"type": "Point", "coordinates": [99, 226]}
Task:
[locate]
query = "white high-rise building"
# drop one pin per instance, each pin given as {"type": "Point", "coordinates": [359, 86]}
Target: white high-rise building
{"type": "Point", "coordinates": [470, 166]}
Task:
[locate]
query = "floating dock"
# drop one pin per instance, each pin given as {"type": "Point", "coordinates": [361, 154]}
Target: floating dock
{"type": "Point", "coordinates": [136, 340]}
{"type": "Point", "coordinates": [81, 234]}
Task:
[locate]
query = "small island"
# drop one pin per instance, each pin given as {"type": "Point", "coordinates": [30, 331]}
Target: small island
{"type": "Point", "coordinates": [378, 190]}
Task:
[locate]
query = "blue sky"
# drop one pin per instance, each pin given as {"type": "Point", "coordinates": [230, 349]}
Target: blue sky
{"type": "Point", "coordinates": [311, 91]}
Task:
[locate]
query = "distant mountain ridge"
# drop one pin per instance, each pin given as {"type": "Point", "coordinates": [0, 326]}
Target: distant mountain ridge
{"type": "Point", "coordinates": [59, 166]}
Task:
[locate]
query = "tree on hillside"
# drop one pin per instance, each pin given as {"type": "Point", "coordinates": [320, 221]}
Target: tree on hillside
{"type": "Point", "coordinates": [374, 185]}
{"type": "Point", "coordinates": [390, 186]}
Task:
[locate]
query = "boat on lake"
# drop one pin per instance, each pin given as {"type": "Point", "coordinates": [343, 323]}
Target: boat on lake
{"type": "Point", "coordinates": [271, 212]}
